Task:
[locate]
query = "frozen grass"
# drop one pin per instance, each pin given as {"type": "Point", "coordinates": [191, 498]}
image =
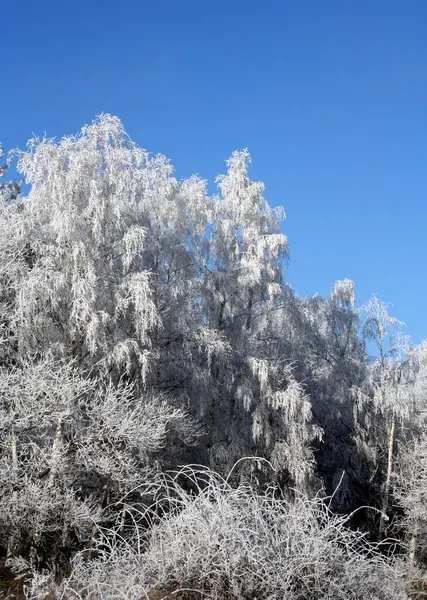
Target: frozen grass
{"type": "Point", "coordinates": [235, 544]}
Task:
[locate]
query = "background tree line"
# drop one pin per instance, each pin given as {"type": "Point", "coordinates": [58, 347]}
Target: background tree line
{"type": "Point", "coordinates": [146, 325]}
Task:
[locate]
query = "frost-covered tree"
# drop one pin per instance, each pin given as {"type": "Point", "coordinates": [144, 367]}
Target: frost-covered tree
{"type": "Point", "coordinates": [87, 291]}
{"type": "Point", "coordinates": [37, 405]}
{"type": "Point", "coordinates": [145, 324]}
{"type": "Point", "coordinates": [410, 492]}
{"type": "Point", "coordinates": [13, 254]}
{"type": "Point", "coordinates": [137, 314]}
{"type": "Point", "coordinates": [263, 407]}
{"type": "Point", "coordinates": [410, 472]}
{"type": "Point", "coordinates": [8, 189]}
{"type": "Point", "coordinates": [320, 337]}
{"type": "Point", "coordinates": [70, 446]}
{"type": "Point", "coordinates": [133, 274]}
{"type": "Point", "coordinates": [245, 250]}
{"type": "Point", "coordinates": [392, 397]}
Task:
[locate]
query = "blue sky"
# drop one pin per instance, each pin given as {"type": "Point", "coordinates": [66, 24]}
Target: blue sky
{"type": "Point", "coordinates": [330, 97]}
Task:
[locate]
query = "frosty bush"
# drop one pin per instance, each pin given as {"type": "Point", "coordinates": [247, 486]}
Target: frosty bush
{"type": "Point", "coordinates": [226, 543]}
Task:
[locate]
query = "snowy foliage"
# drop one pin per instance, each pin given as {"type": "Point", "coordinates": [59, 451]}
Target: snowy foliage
{"type": "Point", "coordinates": [145, 325]}
{"type": "Point", "coordinates": [67, 441]}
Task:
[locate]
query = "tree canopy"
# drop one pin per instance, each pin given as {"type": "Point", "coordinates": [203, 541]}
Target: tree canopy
{"type": "Point", "coordinates": [146, 325]}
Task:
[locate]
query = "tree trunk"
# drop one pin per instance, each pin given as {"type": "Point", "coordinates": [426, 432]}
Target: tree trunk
{"type": "Point", "coordinates": [35, 558]}
{"type": "Point", "coordinates": [413, 547]}
{"type": "Point", "coordinates": [386, 495]}
{"type": "Point", "coordinates": [55, 452]}
{"type": "Point", "coordinates": [14, 452]}
{"type": "Point", "coordinates": [249, 315]}
{"type": "Point", "coordinates": [123, 519]}
{"type": "Point", "coordinates": [93, 537]}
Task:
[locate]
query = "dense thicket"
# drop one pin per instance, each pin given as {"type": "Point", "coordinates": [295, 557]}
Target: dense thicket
{"type": "Point", "coordinates": [145, 325]}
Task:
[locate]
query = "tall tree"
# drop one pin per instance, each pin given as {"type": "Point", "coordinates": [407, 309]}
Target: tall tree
{"type": "Point", "coordinates": [142, 280]}
{"type": "Point", "coordinates": [389, 401]}
{"type": "Point", "coordinates": [320, 336]}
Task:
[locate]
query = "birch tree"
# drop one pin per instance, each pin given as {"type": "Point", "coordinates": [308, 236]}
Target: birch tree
{"type": "Point", "coordinates": [410, 491]}
{"type": "Point", "coordinates": [115, 274]}
{"type": "Point", "coordinates": [266, 409]}
{"type": "Point", "coordinates": [320, 338]}
{"type": "Point", "coordinates": [410, 473]}
{"type": "Point", "coordinates": [87, 294]}
{"type": "Point", "coordinates": [389, 400]}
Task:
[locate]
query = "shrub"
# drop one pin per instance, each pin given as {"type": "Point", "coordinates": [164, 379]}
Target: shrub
{"type": "Point", "coordinates": [236, 544]}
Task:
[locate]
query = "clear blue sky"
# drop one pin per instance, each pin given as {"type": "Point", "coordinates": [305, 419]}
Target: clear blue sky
{"type": "Point", "coordinates": [330, 97]}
